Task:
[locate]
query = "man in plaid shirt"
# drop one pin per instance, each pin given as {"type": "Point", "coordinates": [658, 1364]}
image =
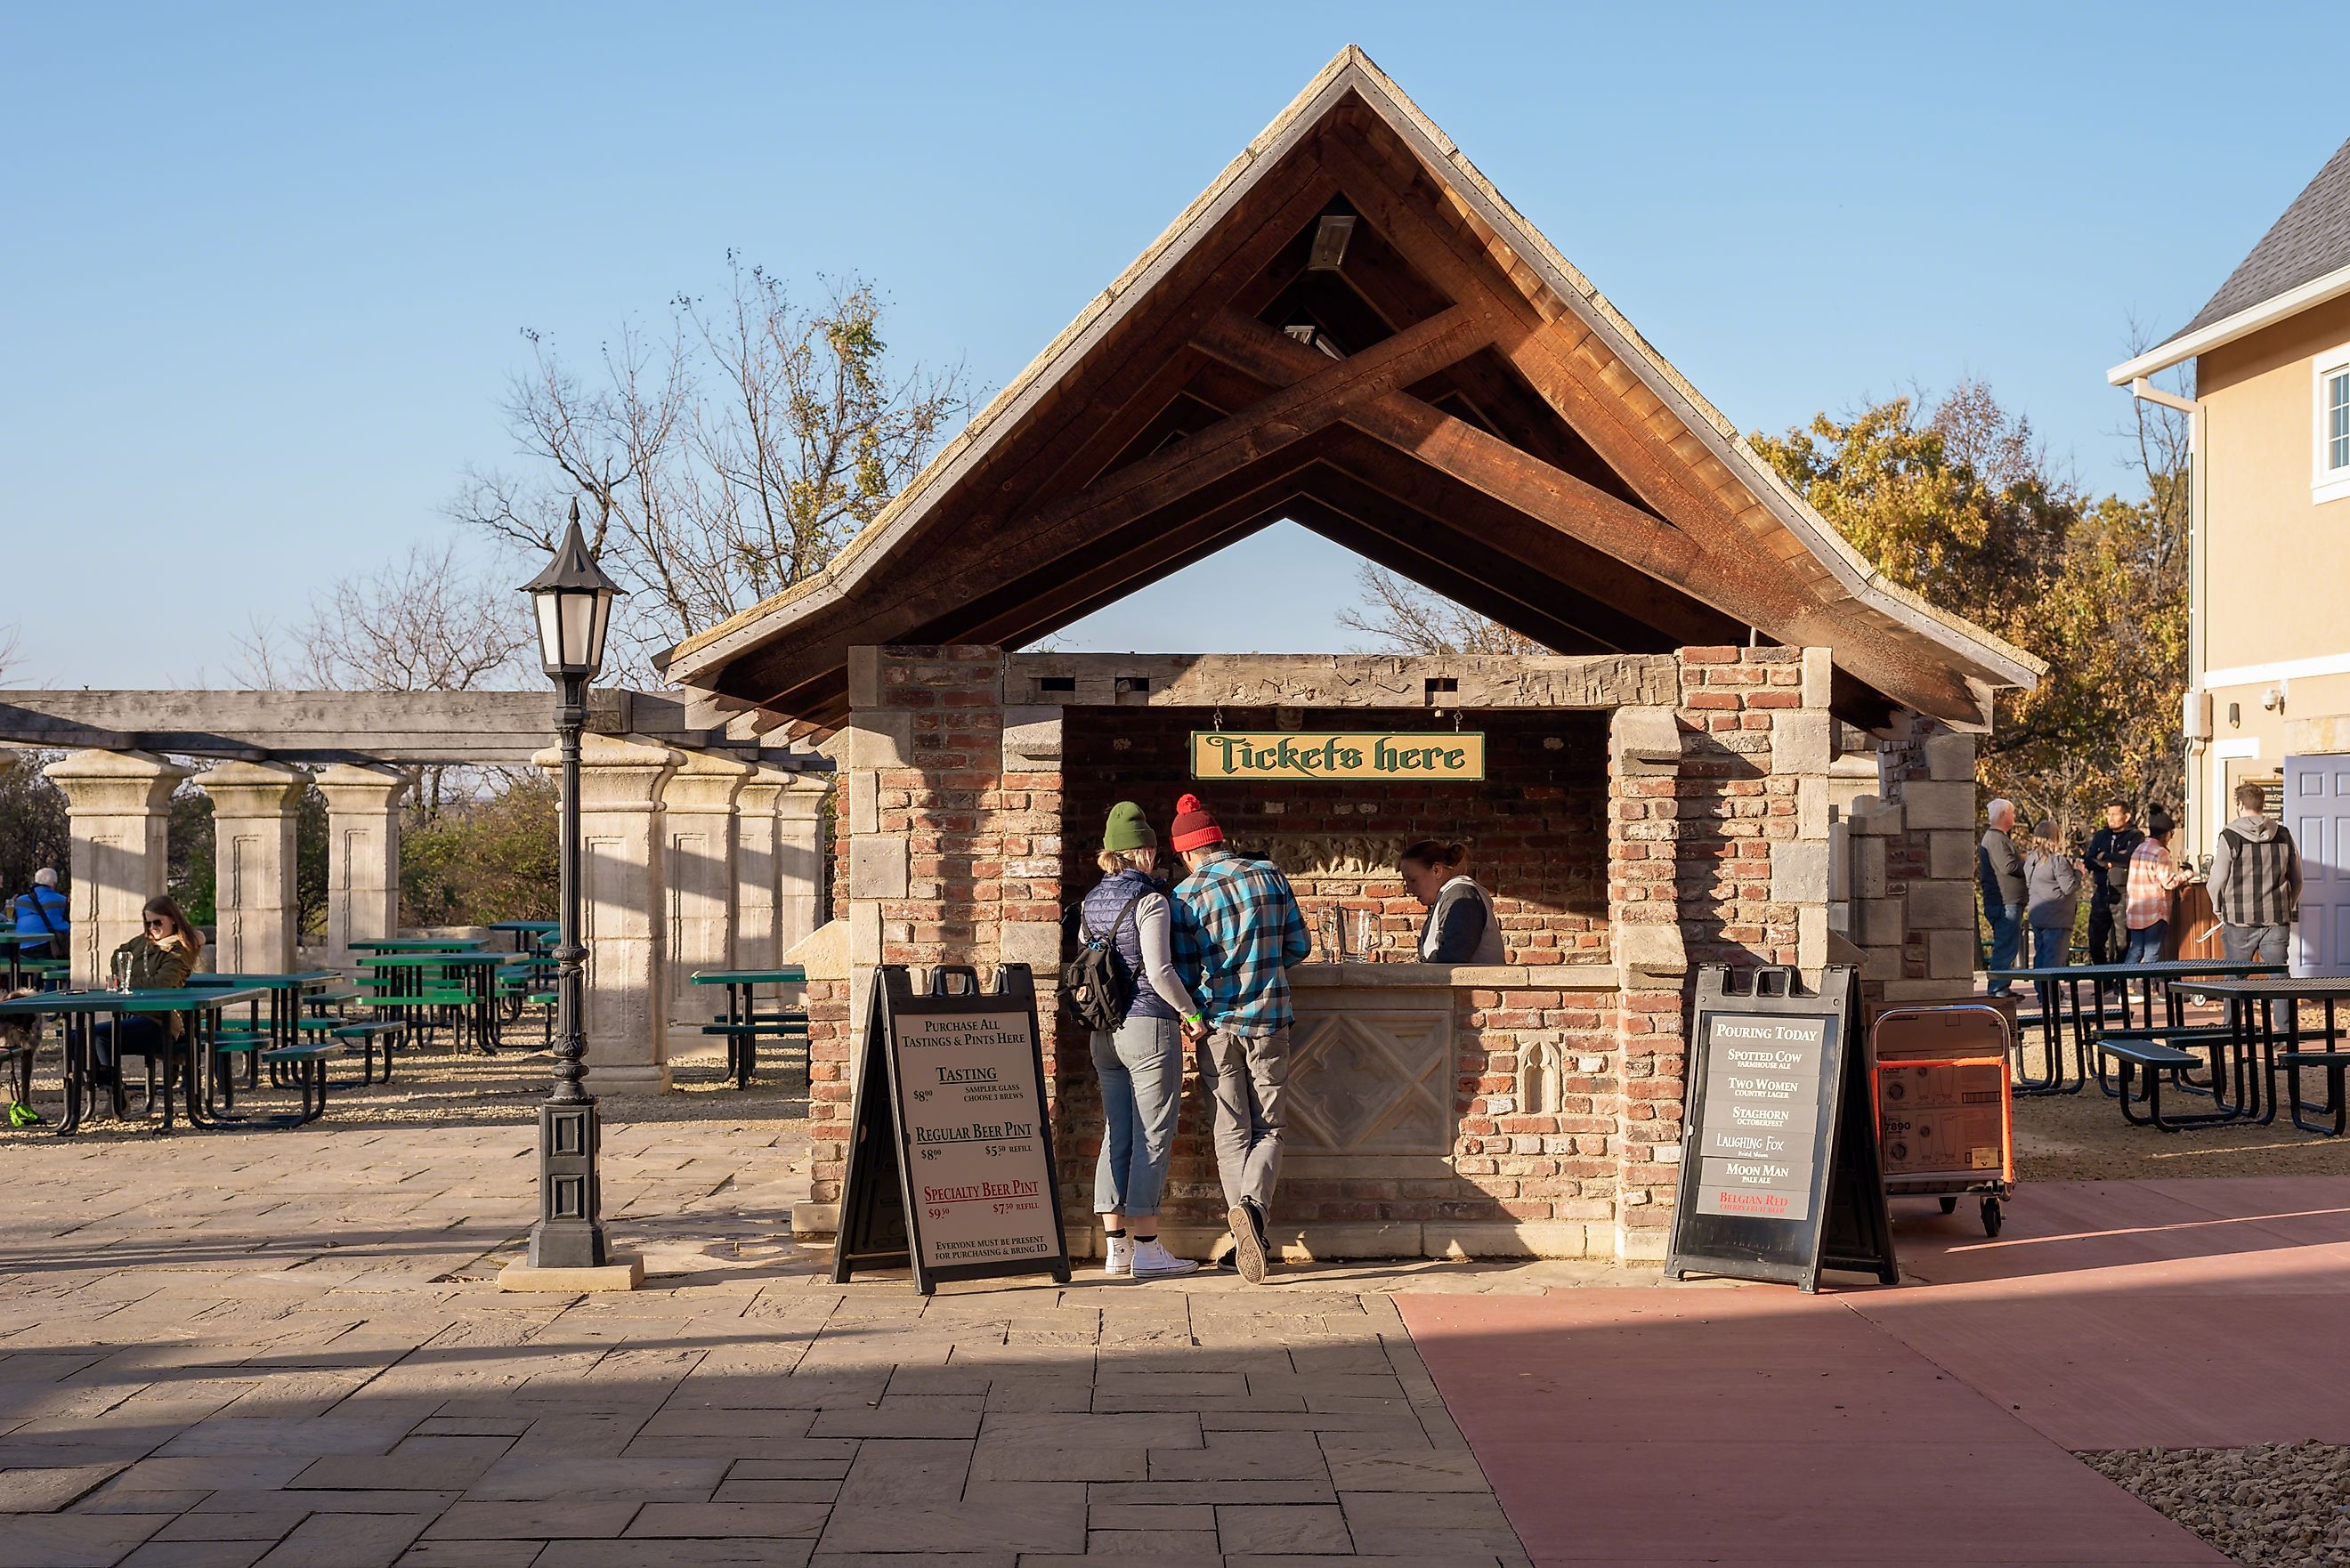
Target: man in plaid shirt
{"type": "Point", "coordinates": [2153, 877]}
{"type": "Point", "coordinates": [1236, 933]}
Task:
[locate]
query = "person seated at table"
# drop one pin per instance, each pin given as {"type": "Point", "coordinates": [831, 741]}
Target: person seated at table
{"type": "Point", "coordinates": [160, 958]}
{"type": "Point", "coordinates": [2153, 878]}
{"type": "Point", "coordinates": [42, 913]}
{"type": "Point", "coordinates": [1460, 927]}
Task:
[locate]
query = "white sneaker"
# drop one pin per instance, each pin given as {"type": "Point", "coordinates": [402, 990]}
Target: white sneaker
{"type": "Point", "coordinates": [1152, 1261]}
{"type": "Point", "coordinates": [1120, 1257]}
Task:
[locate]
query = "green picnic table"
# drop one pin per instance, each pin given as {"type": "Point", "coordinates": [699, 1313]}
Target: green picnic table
{"type": "Point", "coordinates": [80, 1009]}
{"type": "Point", "coordinates": [477, 972]}
{"type": "Point", "coordinates": [743, 1024]}
{"type": "Point", "coordinates": [418, 945]}
{"type": "Point", "coordinates": [285, 1006]}
{"type": "Point", "coordinates": [14, 944]}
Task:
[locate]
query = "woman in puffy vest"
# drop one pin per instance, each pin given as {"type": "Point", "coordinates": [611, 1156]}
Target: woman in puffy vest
{"type": "Point", "coordinates": [1139, 1063]}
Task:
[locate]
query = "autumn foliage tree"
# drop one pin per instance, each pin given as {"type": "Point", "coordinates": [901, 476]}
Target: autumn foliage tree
{"type": "Point", "coordinates": [1963, 507]}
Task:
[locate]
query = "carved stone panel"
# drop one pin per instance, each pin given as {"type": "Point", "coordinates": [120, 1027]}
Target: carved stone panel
{"type": "Point", "coordinates": [1371, 1072]}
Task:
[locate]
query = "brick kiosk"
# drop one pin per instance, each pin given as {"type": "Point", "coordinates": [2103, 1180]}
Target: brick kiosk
{"type": "Point", "coordinates": [1351, 331]}
{"type": "Point", "coordinates": [1639, 814]}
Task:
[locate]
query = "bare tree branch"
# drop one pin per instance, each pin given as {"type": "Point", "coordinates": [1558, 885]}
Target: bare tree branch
{"type": "Point", "coordinates": [723, 461]}
{"type": "Point", "coordinates": [1401, 616]}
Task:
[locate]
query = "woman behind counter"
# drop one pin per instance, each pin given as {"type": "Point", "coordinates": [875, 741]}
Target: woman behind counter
{"type": "Point", "coordinates": [1140, 1063]}
{"type": "Point", "coordinates": [160, 958]}
{"type": "Point", "coordinates": [1461, 926]}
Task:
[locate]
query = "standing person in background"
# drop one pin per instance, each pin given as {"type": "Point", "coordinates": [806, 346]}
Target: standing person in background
{"type": "Point", "coordinates": [42, 913]}
{"type": "Point", "coordinates": [1140, 1060]}
{"type": "Point", "coordinates": [2052, 899]}
{"type": "Point", "coordinates": [1999, 870]}
{"type": "Point", "coordinates": [2153, 877]}
{"type": "Point", "coordinates": [1237, 935]}
{"type": "Point", "coordinates": [2256, 882]}
{"type": "Point", "coordinates": [2110, 848]}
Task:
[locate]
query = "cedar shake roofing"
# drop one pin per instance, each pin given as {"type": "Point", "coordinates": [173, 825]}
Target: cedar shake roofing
{"type": "Point", "coordinates": [1481, 422]}
{"type": "Point", "coordinates": [2312, 239]}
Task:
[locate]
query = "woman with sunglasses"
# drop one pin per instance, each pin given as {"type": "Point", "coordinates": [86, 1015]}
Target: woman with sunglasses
{"type": "Point", "coordinates": [160, 958]}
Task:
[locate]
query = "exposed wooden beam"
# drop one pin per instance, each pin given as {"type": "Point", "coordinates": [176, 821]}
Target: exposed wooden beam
{"type": "Point", "coordinates": [1357, 473]}
{"type": "Point", "coordinates": [1483, 461]}
{"type": "Point", "coordinates": [1540, 352]}
{"type": "Point", "coordinates": [1310, 403]}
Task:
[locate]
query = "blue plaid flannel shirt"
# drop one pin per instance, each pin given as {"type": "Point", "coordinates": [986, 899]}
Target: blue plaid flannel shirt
{"type": "Point", "coordinates": [1236, 932]}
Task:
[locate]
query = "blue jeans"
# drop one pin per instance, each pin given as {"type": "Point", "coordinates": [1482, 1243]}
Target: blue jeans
{"type": "Point", "coordinates": [2006, 936]}
{"type": "Point", "coordinates": [2146, 942]}
{"type": "Point", "coordinates": [2051, 948]}
{"type": "Point", "coordinates": [1141, 1071]}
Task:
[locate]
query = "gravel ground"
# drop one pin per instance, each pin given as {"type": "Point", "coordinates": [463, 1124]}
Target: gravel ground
{"type": "Point", "coordinates": [2274, 1505]}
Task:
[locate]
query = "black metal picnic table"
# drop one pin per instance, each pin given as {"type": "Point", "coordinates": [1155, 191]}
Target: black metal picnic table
{"type": "Point", "coordinates": [2165, 973]}
{"type": "Point", "coordinates": [2253, 1029]}
{"type": "Point", "coordinates": [201, 1006]}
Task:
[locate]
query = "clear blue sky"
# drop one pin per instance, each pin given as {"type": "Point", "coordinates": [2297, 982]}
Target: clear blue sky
{"type": "Point", "coordinates": [262, 271]}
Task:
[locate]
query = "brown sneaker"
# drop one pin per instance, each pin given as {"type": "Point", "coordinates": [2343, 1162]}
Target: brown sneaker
{"type": "Point", "coordinates": [1248, 1245]}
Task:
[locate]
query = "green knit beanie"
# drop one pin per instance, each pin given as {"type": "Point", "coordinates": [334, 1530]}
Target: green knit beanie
{"type": "Point", "coordinates": [1128, 828]}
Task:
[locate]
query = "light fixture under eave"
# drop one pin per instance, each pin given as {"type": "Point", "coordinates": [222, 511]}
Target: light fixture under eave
{"type": "Point", "coordinates": [1313, 336]}
{"type": "Point", "coordinates": [1330, 237]}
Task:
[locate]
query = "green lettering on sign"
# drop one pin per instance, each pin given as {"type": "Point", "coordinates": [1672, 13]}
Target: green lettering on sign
{"type": "Point", "coordinates": [1446, 756]}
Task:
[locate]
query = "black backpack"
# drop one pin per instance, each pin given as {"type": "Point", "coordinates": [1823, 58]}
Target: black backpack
{"type": "Point", "coordinates": [1095, 985]}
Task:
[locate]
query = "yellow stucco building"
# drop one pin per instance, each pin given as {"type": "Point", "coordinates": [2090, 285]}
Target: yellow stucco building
{"type": "Point", "coordinates": [2269, 655]}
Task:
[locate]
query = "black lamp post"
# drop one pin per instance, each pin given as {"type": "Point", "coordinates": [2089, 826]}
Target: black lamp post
{"type": "Point", "coordinates": [574, 599]}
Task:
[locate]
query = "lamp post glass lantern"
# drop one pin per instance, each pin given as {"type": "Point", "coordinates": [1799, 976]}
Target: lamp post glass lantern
{"type": "Point", "coordinates": [574, 601]}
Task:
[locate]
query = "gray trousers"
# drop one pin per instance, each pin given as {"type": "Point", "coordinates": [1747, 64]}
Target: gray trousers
{"type": "Point", "coordinates": [2257, 944]}
{"type": "Point", "coordinates": [1249, 1076]}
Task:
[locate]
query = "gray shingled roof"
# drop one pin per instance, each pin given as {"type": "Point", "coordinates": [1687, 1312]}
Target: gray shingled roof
{"type": "Point", "coordinates": [2311, 240]}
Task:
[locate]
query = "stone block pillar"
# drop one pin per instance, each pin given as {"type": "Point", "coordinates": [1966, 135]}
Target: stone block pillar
{"type": "Point", "coordinates": [757, 868]}
{"type": "Point", "coordinates": [362, 856]}
{"type": "Point", "coordinates": [623, 910]}
{"type": "Point", "coordinates": [254, 807]}
{"type": "Point", "coordinates": [118, 804]}
{"type": "Point", "coordinates": [800, 853]}
{"type": "Point", "coordinates": [698, 835]}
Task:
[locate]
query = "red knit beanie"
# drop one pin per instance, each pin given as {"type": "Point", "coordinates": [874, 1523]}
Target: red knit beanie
{"type": "Point", "coordinates": [1194, 828]}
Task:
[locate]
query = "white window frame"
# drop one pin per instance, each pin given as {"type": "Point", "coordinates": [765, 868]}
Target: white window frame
{"type": "Point", "coordinates": [2325, 483]}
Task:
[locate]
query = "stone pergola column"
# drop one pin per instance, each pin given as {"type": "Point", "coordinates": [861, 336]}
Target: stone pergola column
{"type": "Point", "coordinates": [698, 835]}
{"type": "Point", "coordinates": [118, 804]}
{"type": "Point", "coordinates": [254, 806]}
{"type": "Point", "coordinates": [799, 859]}
{"type": "Point", "coordinates": [362, 855]}
{"type": "Point", "coordinates": [621, 908]}
{"type": "Point", "coordinates": [758, 869]}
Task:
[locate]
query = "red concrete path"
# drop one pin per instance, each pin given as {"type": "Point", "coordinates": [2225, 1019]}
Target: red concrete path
{"type": "Point", "coordinates": [1927, 1424]}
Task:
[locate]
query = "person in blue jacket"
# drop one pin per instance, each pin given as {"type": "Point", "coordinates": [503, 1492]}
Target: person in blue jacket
{"type": "Point", "coordinates": [42, 913]}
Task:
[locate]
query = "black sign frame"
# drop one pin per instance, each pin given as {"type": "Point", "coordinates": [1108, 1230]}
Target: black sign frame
{"type": "Point", "coordinates": [1846, 1225]}
{"type": "Point", "coordinates": [880, 1225]}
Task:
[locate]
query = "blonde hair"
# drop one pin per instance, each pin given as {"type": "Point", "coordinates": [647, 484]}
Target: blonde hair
{"type": "Point", "coordinates": [1113, 861]}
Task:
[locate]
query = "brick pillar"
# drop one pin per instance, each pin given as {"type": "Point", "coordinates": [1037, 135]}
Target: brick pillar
{"type": "Point", "coordinates": [622, 907]}
{"type": "Point", "coordinates": [799, 859]}
{"type": "Point", "coordinates": [362, 856]}
{"type": "Point", "coordinates": [1644, 779]}
{"type": "Point", "coordinates": [254, 806]}
{"type": "Point", "coordinates": [700, 867]}
{"type": "Point", "coordinates": [967, 876]}
{"type": "Point", "coordinates": [118, 806]}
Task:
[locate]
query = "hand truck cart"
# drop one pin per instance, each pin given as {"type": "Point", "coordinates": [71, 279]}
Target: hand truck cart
{"type": "Point", "coordinates": [1943, 1092]}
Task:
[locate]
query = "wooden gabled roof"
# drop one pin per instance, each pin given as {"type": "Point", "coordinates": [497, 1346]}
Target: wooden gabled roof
{"type": "Point", "coordinates": [1454, 401]}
